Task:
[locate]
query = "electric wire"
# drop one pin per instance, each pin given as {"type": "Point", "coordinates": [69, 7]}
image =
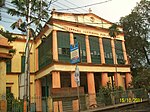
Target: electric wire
{"type": "Point", "coordinates": [75, 5]}
{"type": "Point", "coordinates": [86, 5]}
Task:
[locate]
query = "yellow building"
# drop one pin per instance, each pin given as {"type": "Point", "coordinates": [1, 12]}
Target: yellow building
{"type": "Point", "coordinates": [103, 60]}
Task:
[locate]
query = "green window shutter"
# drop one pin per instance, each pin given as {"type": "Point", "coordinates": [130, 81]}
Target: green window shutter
{"type": "Point", "coordinates": [94, 49]}
{"type": "Point", "coordinates": [45, 52]}
{"type": "Point", "coordinates": [22, 64]}
{"type": "Point", "coordinates": [63, 39]}
{"type": "Point", "coordinates": [107, 51]}
{"type": "Point", "coordinates": [119, 51]}
{"type": "Point", "coordinates": [8, 66]}
{"type": "Point", "coordinates": [81, 40]}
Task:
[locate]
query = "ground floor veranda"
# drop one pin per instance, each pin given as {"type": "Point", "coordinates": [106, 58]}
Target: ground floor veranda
{"type": "Point", "coordinates": [61, 77]}
{"type": "Point", "coordinates": [91, 79]}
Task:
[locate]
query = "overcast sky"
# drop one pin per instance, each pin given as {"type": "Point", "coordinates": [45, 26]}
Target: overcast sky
{"type": "Point", "coordinates": [110, 10]}
{"type": "Point", "coordinates": [113, 10]}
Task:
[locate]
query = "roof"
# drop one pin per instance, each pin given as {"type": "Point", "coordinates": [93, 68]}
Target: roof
{"type": "Point", "coordinates": [5, 55]}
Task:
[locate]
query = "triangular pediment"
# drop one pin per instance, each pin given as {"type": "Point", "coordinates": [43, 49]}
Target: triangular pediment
{"type": "Point", "coordinates": [87, 19]}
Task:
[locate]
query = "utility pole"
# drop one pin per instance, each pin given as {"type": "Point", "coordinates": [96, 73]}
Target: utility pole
{"type": "Point", "coordinates": [27, 63]}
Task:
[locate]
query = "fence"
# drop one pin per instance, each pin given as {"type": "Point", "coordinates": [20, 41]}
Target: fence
{"type": "Point", "coordinates": [100, 99]}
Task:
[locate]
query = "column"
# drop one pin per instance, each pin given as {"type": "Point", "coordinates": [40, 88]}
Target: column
{"type": "Point", "coordinates": [56, 84]}
{"type": "Point", "coordinates": [128, 79]}
{"type": "Point", "coordinates": [105, 79]}
{"type": "Point", "coordinates": [90, 76]}
{"type": "Point", "coordinates": [88, 49]}
{"type": "Point", "coordinates": [36, 59]}
{"type": "Point", "coordinates": [124, 52]}
{"type": "Point", "coordinates": [3, 102]}
{"type": "Point", "coordinates": [118, 80]}
{"type": "Point", "coordinates": [55, 49]}
{"type": "Point", "coordinates": [113, 50]}
{"type": "Point", "coordinates": [115, 61]}
{"type": "Point", "coordinates": [101, 51]}
{"type": "Point", "coordinates": [71, 39]}
{"type": "Point", "coordinates": [91, 88]}
{"type": "Point", "coordinates": [38, 89]}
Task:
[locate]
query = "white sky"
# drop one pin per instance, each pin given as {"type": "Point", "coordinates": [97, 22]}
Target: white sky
{"type": "Point", "coordinates": [115, 9]}
{"type": "Point", "coordinates": [111, 11]}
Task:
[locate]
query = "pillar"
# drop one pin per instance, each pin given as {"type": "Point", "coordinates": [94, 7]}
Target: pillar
{"type": "Point", "coordinates": [115, 61]}
{"type": "Point", "coordinates": [36, 59]}
{"type": "Point", "coordinates": [128, 79]}
{"type": "Point", "coordinates": [91, 88]}
{"type": "Point", "coordinates": [57, 105]}
{"type": "Point", "coordinates": [105, 79]}
{"type": "Point", "coordinates": [101, 51]}
{"type": "Point", "coordinates": [124, 52]}
{"type": "Point", "coordinates": [90, 76]}
{"type": "Point", "coordinates": [88, 49]}
{"type": "Point", "coordinates": [118, 80]}
{"type": "Point", "coordinates": [55, 49]}
{"type": "Point", "coordinates": [71, 39]}
{"type": "Point", "coordinates": [3, 107]}
{"type": "Point", "coordinates": [113, 50]}
{"type": "Point", "coordinates": [38, 89]}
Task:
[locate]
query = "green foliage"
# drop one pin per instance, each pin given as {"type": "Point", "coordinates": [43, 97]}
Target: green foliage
{"type": "Point", "coordinates": [8, 35]}
{"type": "Point", "coordinates": [105, 95]}
{"type": "Point", "coordinates": [114, 31]}
{"type": "Point", "coordinates": [13, 105]}
{"type": "Point", "coordinates": [39, 14]}
{"type": "Point", "coordinates": [136, 27]}
{"type": "Point", "coordinates": [141, 78]}
{"type": "Point", "coordinates": [10, 39]}
{"type": "Point", "coordinates": [9, 98]}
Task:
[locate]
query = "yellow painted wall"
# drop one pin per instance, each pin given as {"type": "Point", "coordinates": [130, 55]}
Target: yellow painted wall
{"type": "Point", "coordinates": [16, 60]}
{"type": "Point", "coordinates": [13, 82]}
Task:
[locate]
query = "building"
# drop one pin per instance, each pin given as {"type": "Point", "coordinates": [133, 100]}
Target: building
{"type": "Point", "coordinates": [4, 55]}
{"type": "Point", "coordinates": [103, 60]}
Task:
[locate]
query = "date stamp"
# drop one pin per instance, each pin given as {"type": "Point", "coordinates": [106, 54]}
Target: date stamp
{"type": "Point", "coordinates": [129, 100]}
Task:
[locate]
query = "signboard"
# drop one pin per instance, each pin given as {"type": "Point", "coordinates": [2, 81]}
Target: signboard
{"type": "Point", "coordinates": [74, 53]}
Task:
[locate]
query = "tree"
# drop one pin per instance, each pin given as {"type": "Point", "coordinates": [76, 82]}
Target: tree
{"type": "Point", "coordinates": [113, 31]}
{"type": "Point", "coordinates": [136, 28]}
{"type": "Point", "coordinates": [39, 14]}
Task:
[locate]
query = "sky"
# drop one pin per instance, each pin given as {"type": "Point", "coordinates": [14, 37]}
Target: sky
{"type": "Point", "coordinates": [111, 10]}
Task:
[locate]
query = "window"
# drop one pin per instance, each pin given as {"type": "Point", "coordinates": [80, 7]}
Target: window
{"type": "Point", "coordinates": [22, 64]}
{"type": "Point", "coordinates": [94, 49]}
{"type": "Point", "coordinates": [63, 39]}
{"type": "Point", "coordinates": [8, 66]}
{"type": "Point", "coordinates": [8, 89]}
{"type": "Point", "coordinates": [81, 40]}
{"type": "Point", "coordinates": [45, 91]}
{"type": "Point", "coordinates": [119, 52]}
{"type": "Point", "coordinates": [45, 52]}
{"type": "Point", "coordinates": [107, 51]}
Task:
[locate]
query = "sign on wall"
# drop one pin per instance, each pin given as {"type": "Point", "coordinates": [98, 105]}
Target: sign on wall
{"type": "Point", "coordinates": [75, 53]}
